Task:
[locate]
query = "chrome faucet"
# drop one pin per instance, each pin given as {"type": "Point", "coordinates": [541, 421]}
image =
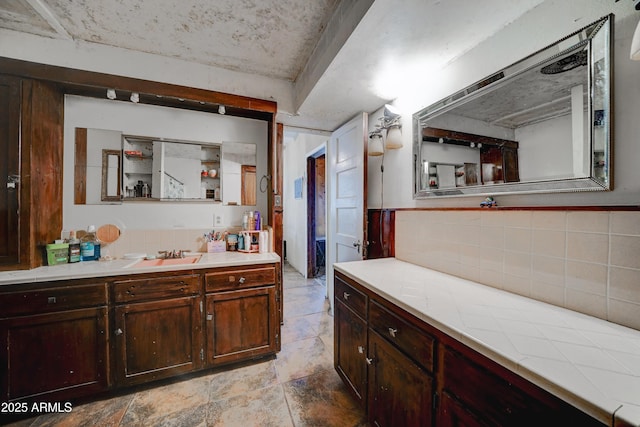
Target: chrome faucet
{"type": "Point", "coordinates": [172, 254]}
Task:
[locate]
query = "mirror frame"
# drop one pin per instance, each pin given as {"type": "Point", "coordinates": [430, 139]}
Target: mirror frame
{"type": "Point", "coordinates": [601, 27]}
{"type": "Point", "coordinates": [104, 196]}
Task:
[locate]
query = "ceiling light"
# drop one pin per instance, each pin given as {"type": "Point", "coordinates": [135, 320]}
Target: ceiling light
{"type": "Point", "coordinates": [111, 93]}
{"type": "Point", "coordinates": [221, 109]}
{"type": "Point", "coordinates": [135, 97]}
{"type": "Point", "coordinates": [472, 145]}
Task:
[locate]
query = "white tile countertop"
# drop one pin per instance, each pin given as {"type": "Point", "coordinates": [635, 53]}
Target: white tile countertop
{"type": "Point", "coordinates": [88, 269]}
{"type": "Point", "coordinates": [588, 362]}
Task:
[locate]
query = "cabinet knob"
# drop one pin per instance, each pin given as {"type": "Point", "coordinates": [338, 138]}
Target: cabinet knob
{"type": "Point", "coordinates": [242, 280]}
{"type": "Point", "coordinates": [393, 332]}
{"type": "Point", "coordinates": [118, 331]}
{"type": "Point", "coordinates": [369, 361]}
{"type": "Point", "coordinates": [346, 295]}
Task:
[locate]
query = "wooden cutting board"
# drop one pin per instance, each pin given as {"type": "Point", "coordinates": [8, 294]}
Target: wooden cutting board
{"type": "Point", "coordinates": [108, 233]}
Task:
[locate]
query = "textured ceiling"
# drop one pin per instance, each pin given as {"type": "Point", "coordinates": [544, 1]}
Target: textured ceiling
{"type": "Point", "coordinates": [330, 52]}
{"type": "Point", "coordinates": [273, 38]}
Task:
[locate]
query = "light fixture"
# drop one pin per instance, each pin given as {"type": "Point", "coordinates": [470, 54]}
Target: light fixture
{"type": "Point", "coordinates": [221, 109]}
{"type": "Point", "coordinates": [135, 97]}
{"type": "Point", "coordinates": [375, 144]}
{"type": "Point", "coordinates": [472, 145]}
{"type": "Point", "coordinates": [111, 93]}
{"type": "Point", "coordinates": [635, 44]}
{"type": "Point", "coordinates": [390, 122]}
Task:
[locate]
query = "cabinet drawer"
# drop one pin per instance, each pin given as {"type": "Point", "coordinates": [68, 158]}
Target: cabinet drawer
{"type": "Point", "coordinates": [240, 278]}
{"type": "Point", "coordinates": [351, 297]}
{"type": "Point", "coordinates": [53, 299]}
{"type": "Point", "coordinates": [156, 288]}
{"type": "Point", "coordinates": [414, 342]}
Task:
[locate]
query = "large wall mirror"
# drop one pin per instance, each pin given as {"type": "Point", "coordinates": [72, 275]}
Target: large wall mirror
{"type": "Point", "coordinates": [540, 125]}
{"type": "Point", "coordinates": [143, 168]}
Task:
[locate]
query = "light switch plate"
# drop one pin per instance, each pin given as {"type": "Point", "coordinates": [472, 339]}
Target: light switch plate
{"type": "Point", "coordinates": [217, 219]}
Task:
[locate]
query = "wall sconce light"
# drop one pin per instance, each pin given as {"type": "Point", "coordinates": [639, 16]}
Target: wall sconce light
{"type": "Point", "coordinates": [375, 144]}
{"type": "Point", "coordinates": [221, 109]}
{"type": "Point", "coordinates": [111, 93]}
{"type": "Point", "coordinates": [390, 122]}
{"type": "Point", "coordinates": [635, 44]}
{"type": "Point", "coordinates": [135, 97]}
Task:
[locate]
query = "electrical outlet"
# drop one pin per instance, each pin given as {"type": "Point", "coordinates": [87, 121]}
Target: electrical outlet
{"type": "Point", "coordinates": [217, 220]}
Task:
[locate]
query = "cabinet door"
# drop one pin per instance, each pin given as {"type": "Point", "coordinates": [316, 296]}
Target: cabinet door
{"type": "Point", "coordinates": [350, 336]}
{"type": "Point", "coordinates": [400, 392]}
{"type": "Point", "coordinates": [241, 324]}
{"type": "Point", "coordinates": [157, 339]}
{"type": "Point", "coordinates": [9, 169]}
{"type": "Point", "coordinates": [57, 355]}
{"type": "Point", "coordinates": [453, 414]}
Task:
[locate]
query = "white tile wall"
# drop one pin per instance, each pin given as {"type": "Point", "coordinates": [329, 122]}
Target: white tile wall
{"type": "Point", "coordinates": [582, 260]}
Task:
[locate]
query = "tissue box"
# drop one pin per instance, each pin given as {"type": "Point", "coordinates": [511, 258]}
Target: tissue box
{"type": "Point", "coordinates": [217, 246]}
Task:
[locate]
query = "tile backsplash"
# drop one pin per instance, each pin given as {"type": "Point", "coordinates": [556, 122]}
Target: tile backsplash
{"type": "Point", "coordinates": [587, 261]}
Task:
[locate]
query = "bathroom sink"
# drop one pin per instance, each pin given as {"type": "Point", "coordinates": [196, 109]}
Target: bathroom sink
{"type": "Point", "coordinates": [166, 261]}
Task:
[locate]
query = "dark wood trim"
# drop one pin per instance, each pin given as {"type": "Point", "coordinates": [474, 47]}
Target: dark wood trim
{"type": "Point", "coordinates": [94, 84]}
{"type": "Point", "coordinates": [381, 226]}
{"type": "Point", "coordinates": [365, 186]}
{"type": "Point", "coordinates": [80, 168]}
{"type": "Point", "coordinates": [244, 170]}
{"type": "Point", "coordinates": [461, 138]}
{"type": "Point", "coordinates": [311, 217]}
{"type": "Point", "coordinates": [105, 176]}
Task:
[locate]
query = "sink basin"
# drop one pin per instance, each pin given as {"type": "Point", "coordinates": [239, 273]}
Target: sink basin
{"type": "Point", "coordinates": [168, 261]}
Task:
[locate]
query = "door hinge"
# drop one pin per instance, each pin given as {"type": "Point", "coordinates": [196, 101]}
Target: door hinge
{"type": "Point", "coordinates": [278, 296]}
{"type": "Point", "coordinates": [435, 401]}
{"type": "Point", "coordinates": [201, 309]}
{"type": "Point", "coordinates": [202, 355]}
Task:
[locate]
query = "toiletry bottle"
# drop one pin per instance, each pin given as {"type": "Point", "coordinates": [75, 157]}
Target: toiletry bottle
{"type": "Point", "coordinates": [88, 245]}
{"type": "Point", "coordinates": [74, 247]}
{"type": "Point", "coordinates": [145, 190]}
{"type": "Point", "coordinates": [256, 217]}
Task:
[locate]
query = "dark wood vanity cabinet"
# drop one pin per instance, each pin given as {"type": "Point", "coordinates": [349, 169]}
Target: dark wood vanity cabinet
{"type": "Point", "coordinates": [70, 339]}
{"type": "Point", "coordinates": [350, 343]}
{"type": "Point", "coordinates": [375, 354]}
{"type": "Point", "coordinates": [54, 342]}
{"type": "Point", "coordinates": [400, 391]}
{"type": "Point", "coordinates": [242, 314]}
{"type": "Point", "coordinates": [417, 375]}
{"type": "Point", "coordinates": [157, 328]}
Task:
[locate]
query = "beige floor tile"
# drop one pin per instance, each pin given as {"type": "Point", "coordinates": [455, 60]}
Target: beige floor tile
{"type": "Point", "coordinates": [259, 408]}
{"type": "Point", "coordinates": [303, 358]}
{"type": "Point", "coordinates": [310, 398]}
{"type": "Point", "coordinates": [227, 384]}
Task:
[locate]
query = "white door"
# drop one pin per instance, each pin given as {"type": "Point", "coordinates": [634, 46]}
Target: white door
{"type": "Point", "coordinates": [347, 196]}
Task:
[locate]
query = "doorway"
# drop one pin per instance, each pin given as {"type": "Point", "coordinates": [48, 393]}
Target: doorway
{"type": "Point", "coordinates": [316, 212]}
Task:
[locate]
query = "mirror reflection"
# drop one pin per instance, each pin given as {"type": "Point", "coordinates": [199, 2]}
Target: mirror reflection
{"type": "Point", "coordinates": [147, 168]}
{"type": "Point", "coordinates": [539, 125]}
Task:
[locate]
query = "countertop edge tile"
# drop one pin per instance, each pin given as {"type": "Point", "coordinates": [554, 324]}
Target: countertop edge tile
{"type": "Point", "coordinates": [387, 277]}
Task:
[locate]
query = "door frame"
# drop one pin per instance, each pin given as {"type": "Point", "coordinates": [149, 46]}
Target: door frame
{"type": "Point", "coordinates": [311, 208]}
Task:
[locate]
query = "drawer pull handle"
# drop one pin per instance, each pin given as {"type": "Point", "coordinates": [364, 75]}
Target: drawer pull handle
{"type": "Point", "coordinates": [51, 300]}
{"type": "Point", "coordinates": [118, 332]}
{"type": "Point", "coordinates": [360, 349]}
{"type": "Point", "coordinates": [209, 316]}
{"type": "Point", "coordinates": [346, 295]}
{"type": "Point", "coordinates": [393, 332]}
{"type": "Point", "coordinates": [369, 361]}
{"type": "Point", "coordinates": [242, 280]}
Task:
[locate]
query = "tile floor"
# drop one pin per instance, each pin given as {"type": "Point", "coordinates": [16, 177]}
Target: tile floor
{"type": "Point", "coordinates": [299, 387]}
